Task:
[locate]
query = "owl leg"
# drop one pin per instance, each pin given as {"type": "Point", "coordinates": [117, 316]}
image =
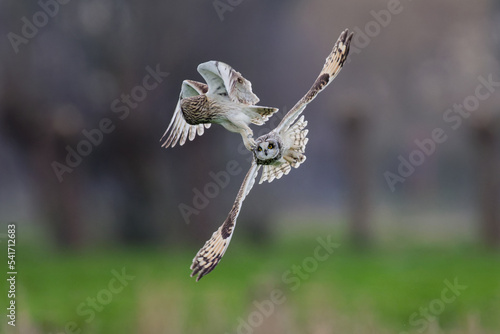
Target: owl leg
{"type": "Point", "coordinates": [238, 124]}
{"type": "Point", "coordinates": [246, 134]}
{"type": "Point", "coordinates": [248, 139]}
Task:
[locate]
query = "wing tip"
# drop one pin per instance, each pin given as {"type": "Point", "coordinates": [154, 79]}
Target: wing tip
{"type": "Point", "coordinates": [182, 135]}
{"type": "Point", "coordinates": [196, 271]}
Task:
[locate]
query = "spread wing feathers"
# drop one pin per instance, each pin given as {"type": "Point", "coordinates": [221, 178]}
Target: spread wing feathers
{"type": "Point", "coordinates": [296, 135]}
{"type": "Point", "coordinates": [223, 80]}
{"type": "Point", "coordinates": [192, 88]}
{"type": "Point", "coordinates": [211, 253]}
{"type": "Point", "coordinates": [269, 172]}
{"type": "Point", "coordinates": [332, 67]}
{"type": "Point", "coordinates": [179, 129]}
{"type": "Point", "coordinates": [295, 138]}
{"type": "Point", "coordinates": [259, 115]}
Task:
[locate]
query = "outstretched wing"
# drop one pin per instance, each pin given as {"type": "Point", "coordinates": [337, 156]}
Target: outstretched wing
{"type": "Point", "coordinates": [270, 172]}
{"type": "Point", "coordinates": [180, 130]}
{"type": "Point", "coordinates": [296, 139]}
{"type": "Point", "coordinates": [223, 80]}
{"type": "Point", "coordinates": [332, 67]}
{"type": "Point", "coordinates": [210, 254]}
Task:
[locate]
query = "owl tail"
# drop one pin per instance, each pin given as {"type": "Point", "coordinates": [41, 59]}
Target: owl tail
{"type": "Point", "coordinates": [258, 114]}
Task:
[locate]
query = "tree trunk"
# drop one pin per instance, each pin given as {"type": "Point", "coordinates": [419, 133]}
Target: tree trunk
{"type": "Point", "coordinates": [488, 177]}
{"type": "Point", "coordinates": [354, 127]}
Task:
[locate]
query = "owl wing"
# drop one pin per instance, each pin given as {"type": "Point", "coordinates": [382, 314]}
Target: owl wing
{"type": "Point", "coordinates": [295, 136]}
{"type": "Point", "coordinates": [296, 139]}
{"type": "Point", "coordinates": [222, 78]}
{"type": "Point", "coordinates": [180, 130]}
{"type": "Point", "coordinates": [332, 67]}
{"type": "Point", "coordinates": [210, 254]}
{"type": "Point", "coordinates": [270, 172]}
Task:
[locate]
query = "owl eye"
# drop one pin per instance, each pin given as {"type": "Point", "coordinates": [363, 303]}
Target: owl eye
{"type": "Point", "coordinates": [240, 80]}
{"type": "Point", "coordinates": [270, 147]}
{"type": "Point", "coordinates": [259, 149]}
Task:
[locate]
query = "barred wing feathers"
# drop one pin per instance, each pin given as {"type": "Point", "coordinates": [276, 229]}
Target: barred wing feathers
{"type": "Point", "coordinates": [295, 138]}
{"type": "Point", "coordinates": [331, 69]}
{"type": "Point", "coordinates": [179, 129]}
{"type": "Point", "coordinates": [211, 253]}
{"type": "Point", "coordinates": [296, 133]}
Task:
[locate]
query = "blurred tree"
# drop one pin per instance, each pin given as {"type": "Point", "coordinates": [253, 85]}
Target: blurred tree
{"type": "Point", "coordinates": [354, 126]}
{"type": "Point", "coordinates": [65, 78]}
{"type": "Point", "coordinates": [42, 143]}
{"type": "Point", "coordinates": [486, 140]}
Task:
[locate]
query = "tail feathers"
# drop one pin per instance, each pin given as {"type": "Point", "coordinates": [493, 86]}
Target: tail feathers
{"type": "Point", "coordinates": [258, 114]}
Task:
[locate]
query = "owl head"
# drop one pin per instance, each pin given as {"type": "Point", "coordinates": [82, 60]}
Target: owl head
{"type": "Point", "coordinates": [267, 150]}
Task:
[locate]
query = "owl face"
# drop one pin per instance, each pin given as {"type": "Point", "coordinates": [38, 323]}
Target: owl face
{"type": "Point", "coordinates": [242, 89]}
{"type": "Point", "coordinates": [267, 151]}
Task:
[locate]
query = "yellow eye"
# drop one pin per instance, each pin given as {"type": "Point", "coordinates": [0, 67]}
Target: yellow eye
{"type": "Point", "coordinates": [270, 147]}
{"type": "Point", "coordinates": [259, 149]}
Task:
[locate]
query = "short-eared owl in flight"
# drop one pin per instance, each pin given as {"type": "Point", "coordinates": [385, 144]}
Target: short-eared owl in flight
{"type": "Point", "coordinates": [277, 152]}
{"type": "Point", "coordinates": [226, 99]}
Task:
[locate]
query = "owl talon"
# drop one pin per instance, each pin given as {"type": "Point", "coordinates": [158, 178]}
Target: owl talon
{"type": "Point", "coordinates": [250, 143]}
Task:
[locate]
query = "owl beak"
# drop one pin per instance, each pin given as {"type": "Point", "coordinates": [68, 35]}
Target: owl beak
{"type": "Point", "coordinates": [265, 152]}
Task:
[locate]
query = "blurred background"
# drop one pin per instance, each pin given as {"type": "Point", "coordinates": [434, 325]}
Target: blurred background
{"type": "Point", "coordinates": [402, 170]}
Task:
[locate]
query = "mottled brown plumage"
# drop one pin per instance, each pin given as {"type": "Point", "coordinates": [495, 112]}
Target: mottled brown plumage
{"type": "Point", "coordinates": [199, 110]}
{"type": "Point", "coordinates": [227, 99]}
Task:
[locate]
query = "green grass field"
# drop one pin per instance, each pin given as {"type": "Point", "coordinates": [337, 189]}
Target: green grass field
{"type": "Point", "coordinates": [390, 289]}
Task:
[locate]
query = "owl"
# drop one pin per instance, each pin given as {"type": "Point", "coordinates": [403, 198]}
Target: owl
{"type": "Point", "coordinates": [226, 99]}
{"type": "Point", "coordinates": [276, 152]}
